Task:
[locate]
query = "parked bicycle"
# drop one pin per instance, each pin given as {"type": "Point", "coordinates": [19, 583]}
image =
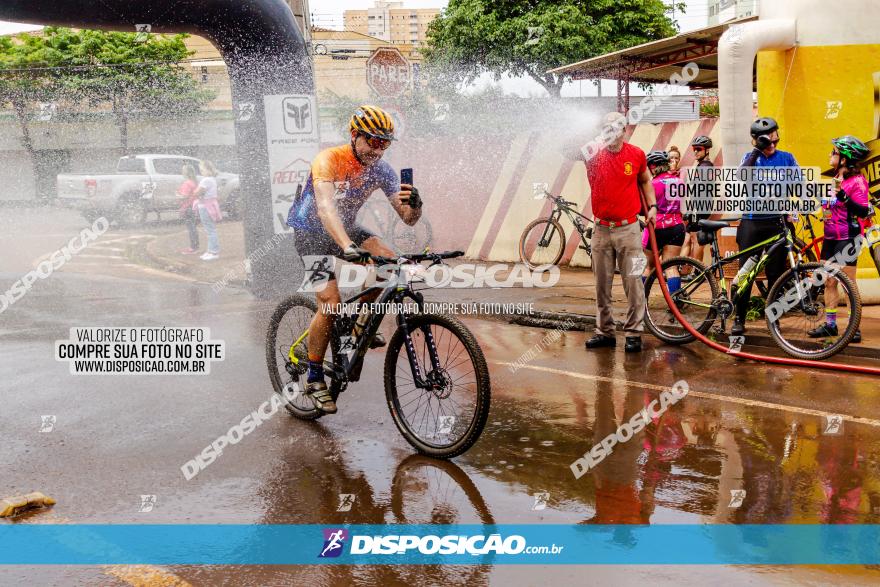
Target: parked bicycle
{"type": "Point", "coordinates": [810, 245]}
{"type": "Point", "coordinates": [436, 378]}
{"type": "Point", "coordinates": [543, 240]}
{"type": "Point", "coordinates": [801, 297]}
{"type": "Point", "coordinates": [378, 215]}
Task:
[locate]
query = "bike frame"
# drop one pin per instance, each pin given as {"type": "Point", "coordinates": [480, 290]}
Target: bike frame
{"type": "Point", "coordinates": [782, 239]}
{"type": "Point", "coordinates": [352, 364]}
{"type": "Point", "coordinates": [815, 241]}
{"type": "Point", "coordinates": [560, 206]}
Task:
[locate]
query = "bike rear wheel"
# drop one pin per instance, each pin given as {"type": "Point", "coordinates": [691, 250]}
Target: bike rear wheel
{"type": "Point", "coordinates": [790, 317]}
{"type": "Point", "coordinates": [542, 243]}
{"type": "Point", "coordinates": [695, 301]}
{"type": "Point", "coordinates": [446, 420]}
{"type": "Point", "coordinates": [290, 320]}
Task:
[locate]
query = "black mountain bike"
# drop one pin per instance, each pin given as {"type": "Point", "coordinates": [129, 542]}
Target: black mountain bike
{"type": "Point", "coordinates": [436, 378]}
{"type": "Point", "coordinates": [798, 295]}
{"type": "Point", "coordinates": [543, 240]}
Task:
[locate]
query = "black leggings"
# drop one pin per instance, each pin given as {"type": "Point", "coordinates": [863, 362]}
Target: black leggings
{"type": "Point", "coordinates": [749, 233]}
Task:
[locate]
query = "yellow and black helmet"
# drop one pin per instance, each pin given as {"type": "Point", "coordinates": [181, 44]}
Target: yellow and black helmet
{"type": "Point", "coordinates": [373, 121]}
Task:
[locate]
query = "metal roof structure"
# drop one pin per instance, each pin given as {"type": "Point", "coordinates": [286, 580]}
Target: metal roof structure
{"type": "Point", "coordinates": [656, 61]}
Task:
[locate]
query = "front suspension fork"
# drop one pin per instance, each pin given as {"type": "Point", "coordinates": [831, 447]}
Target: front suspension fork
{"type": "Point", "coordinates": [420, 381]}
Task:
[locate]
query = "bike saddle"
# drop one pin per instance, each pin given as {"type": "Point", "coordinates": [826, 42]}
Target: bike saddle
{"type": "Point", "coordinates": [712, 225]}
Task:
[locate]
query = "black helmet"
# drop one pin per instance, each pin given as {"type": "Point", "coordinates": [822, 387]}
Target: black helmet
{"type": "Point", "coordinates": [702, 141]}
{"type": "Point", "coordinates": [763, 126]}
{"type": "Point", "coordinates": [852, 148]}
{"type": "Point", "coordinates": [658, 158]}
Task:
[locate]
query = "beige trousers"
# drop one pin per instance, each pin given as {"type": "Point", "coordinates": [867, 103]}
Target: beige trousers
{"type": "Point", "coordinates": [619, 247]}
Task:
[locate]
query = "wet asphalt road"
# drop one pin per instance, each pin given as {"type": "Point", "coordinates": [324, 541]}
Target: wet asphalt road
{"type": "Point", "coordinates": [744, 426]}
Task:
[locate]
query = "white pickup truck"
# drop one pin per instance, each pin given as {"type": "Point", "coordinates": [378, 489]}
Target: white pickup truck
{"type": "Point", "coordinates": [141, 184]}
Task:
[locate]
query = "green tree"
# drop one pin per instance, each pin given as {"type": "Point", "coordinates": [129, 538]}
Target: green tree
{"type": "Point", "coordinates": [529, 37]}
{"type": "Point", "coordinates": [21, 85]}
{"type": "Point", "coordinates": [126, 72]}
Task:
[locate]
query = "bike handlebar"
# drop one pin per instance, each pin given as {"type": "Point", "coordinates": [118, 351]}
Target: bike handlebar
{"type": "Point", "coordinates": [417, 258]}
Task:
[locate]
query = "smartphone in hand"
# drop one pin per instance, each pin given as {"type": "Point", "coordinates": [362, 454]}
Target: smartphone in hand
{"type": "Point", "coordinates": [406, 176]}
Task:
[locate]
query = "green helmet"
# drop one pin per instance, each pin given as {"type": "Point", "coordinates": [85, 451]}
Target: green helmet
{"type": "Point", "coordinates": [852, 148]}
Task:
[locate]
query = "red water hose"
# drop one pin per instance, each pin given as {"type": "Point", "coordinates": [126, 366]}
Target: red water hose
{"type": "Point", "coordinates": [661, 279]}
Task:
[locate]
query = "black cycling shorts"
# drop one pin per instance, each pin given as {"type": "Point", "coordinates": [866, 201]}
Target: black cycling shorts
{"type": "Point", "coordinates": [319, 242]}
{"type": "Point", "coordinates": [832, 248]}
{"type": "Point", "coordinates": [674, 235]}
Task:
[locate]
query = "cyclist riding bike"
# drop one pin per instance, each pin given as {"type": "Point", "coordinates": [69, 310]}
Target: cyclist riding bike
{"type": "Point", "coordinates": [692, 247]}
{"type": "Point", "coordinates": [324, 216]}
{"type": "Point", "coordinates": [842, 226]}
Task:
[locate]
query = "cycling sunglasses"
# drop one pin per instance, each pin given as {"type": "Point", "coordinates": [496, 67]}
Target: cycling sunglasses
{"type": "Point", "coordinates": [376, 142]}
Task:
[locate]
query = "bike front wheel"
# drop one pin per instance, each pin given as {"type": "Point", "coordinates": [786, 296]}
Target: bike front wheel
{"type": "Point", "coordinates": [444, 415]}
{"type": "Point", "coordinates": [542, 243]}
{"type": "Point", "coordinates": [694, 301]}
{"type": "Point", "coordinates": [796, 305]}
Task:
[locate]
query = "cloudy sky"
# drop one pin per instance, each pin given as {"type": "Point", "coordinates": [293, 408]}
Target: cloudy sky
{"type": "Point", "coordinates": [11, 27]}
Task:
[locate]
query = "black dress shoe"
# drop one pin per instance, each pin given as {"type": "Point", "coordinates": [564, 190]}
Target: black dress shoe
{"type": "Point", "coordinates": [857, 337]}
{"type": "Point", "coordinates": [633, 344]}
{"type": "Point", "coordinates": [599, 341]}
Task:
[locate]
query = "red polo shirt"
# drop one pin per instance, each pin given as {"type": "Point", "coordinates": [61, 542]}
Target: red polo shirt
{"type": "Point", "coordinates": [614, 182]}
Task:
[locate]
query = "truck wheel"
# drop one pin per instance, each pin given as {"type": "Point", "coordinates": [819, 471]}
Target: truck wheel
{"type": "Point", "coordinates": [90, 215]}
{"type": "Point", "coordinates": [130, 211]}
{"type": "Point", "coordinates": [232, 206]}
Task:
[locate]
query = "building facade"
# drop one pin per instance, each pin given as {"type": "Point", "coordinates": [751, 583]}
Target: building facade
{"type": "Point", "coordinates": [724, 10]}
{"type": "Point", "coordinates": [392, 22]}
{"type": "Point", "coordinates": [339, 60]}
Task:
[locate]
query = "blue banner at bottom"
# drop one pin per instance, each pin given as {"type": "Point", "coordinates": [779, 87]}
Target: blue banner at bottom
{"type": "Point", "coordinates": [27, 544]}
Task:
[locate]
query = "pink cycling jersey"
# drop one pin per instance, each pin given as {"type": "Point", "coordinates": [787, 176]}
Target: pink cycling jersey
{"type": "Point", "coordinates": [842, 225]}
{"type": "Point", "coordinates": [668, 209]}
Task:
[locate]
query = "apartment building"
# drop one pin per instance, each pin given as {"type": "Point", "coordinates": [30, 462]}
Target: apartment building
{"type": "Point", "coordinates": [392, 22]}
{"type": "Point", "coordinates": [721, 11]}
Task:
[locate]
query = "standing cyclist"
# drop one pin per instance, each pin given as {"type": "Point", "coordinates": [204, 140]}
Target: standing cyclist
{"type": "Point", "coordinates": [692, 247]}
{"type": "Point", "coordinates": [669, 225]}
{"type": "Point", "coordinates": [754, 228]}
{"type": "Point", "coordinates": [842, 227]}
{"type": "Point", "coordinates": [324, 218]}
{"type": "Point", "coordinates": [701, 146]}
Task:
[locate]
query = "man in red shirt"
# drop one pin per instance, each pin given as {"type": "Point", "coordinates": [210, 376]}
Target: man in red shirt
{"type": "Point", "coordinates": [616, 171]}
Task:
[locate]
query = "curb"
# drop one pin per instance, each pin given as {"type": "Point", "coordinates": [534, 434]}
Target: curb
{"type": "Point", "coordinates": [554, 320]}
{"type": "Point", "coordinates": [151, 258]}
{"type": "Point", "coordinates": [564, 320]}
